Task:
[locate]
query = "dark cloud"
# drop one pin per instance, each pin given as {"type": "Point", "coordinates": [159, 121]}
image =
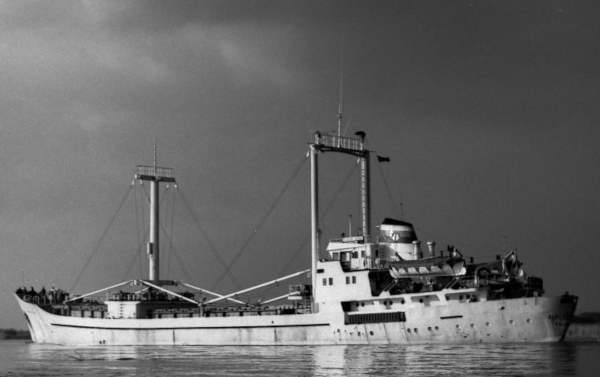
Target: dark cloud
{"type": "Point", "coordinates": [487, 110]}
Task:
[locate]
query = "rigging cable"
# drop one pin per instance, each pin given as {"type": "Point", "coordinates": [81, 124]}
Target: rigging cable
{"type": "Point", "coordinates": [174, 250]}
{"type": "Point", "coordinates": [101, 239]}
{"type": "Point", "coordinates": [208, 241]}
{"type": "Point", "coordinates": [298, 251]}
{"type": "Point", "coordinates": [387, 187]}
{"type": "Point", "coordinates": [261, 222]}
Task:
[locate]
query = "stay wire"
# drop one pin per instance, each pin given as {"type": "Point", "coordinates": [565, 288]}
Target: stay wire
{"type": "Point", "coordinates": [176, 253]}
{"type": "Point", "coordinates": [101, 239]}
{"type": "Point", "coordinates": [261, 222]}
{"type": "Point", "coordinates": [399, 212]}
{"type": "Point", "coordinates": [326, 211]}
{"type": "Point", "coordinates": [211, 245]}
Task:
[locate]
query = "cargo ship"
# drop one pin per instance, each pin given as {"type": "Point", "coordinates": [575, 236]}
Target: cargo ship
{"type": "Point", "coordinates": [383, 287]}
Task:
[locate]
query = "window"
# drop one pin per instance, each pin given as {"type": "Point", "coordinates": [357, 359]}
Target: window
{"type": "Point", "coordinates": [336, 256]}
{"type": "Point", "coordinates": [330, 281]}
{"type": "Point", "coordinates": [355, 254]}
{"type": "Point", "coordinates": [347, 279]}
{"type": "Point", "coordinates": [324, 281]}
{"type": "Point", "coordinates": [353, 279]}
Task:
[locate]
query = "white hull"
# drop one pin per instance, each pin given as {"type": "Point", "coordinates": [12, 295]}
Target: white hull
{"type": "Point", "coordinates": [366, 289]}
{"type": "Point", "coordinates": [541, 319]}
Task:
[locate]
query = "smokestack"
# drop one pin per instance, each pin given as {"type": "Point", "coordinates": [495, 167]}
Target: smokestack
{"type": "Point", "coordinates": [431, 246]}
{"type": "Point", "coordinates": [417, 249]}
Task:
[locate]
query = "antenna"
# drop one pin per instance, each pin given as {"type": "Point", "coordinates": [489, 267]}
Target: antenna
{"type": "Point", "coordinates": [350, 226]}
{"type": "Point", "coordinates": [155, 155]}
{"type": "Point", "coordinates": [341, 87]}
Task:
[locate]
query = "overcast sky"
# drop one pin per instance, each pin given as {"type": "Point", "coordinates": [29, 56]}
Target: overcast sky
{"type": "Point", "coordinates": [488, 111]}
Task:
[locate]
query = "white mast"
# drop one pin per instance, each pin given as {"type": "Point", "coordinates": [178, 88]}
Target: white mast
{"type": "Point", "coordinates": [155, 175]}
{"type": "Point", "coordinates": [365, 190]}
{"type": "Point", "coordinates": [340, 144]}
{"type": "Point", "coordinates": [314, 222]}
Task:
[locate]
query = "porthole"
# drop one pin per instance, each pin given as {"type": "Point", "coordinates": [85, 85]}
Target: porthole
{"type": "Point", "coordinates": [416, 330]}
{"type": "Point", "coordinates": [408, 330]}
{"type": "Point", "coordinates": [468, 297]}
{"type": "Point", "coordinates": [460, 297]}
{"type": "Point", "coordinates": [371, 332]}
{"type": "Point", "coordinates": [487, 324]}
{"type": "Point", "coordinates": [362, 304]}
{"type": "Point", "coordinates": [421, 300]}
{"type": "Point", "coordinates": [528, 320]}
{"type": "Point", "coordinates": [429, 328]}
{"type": "Point", "coordinates": [437, 328]}
{"type": "Point", "coordinates": [472, 325]}
{"type": "Point", "coordinates": [402, 302]}
{"type": "Point", "coordinates": [458, 326]}
{"type": "Point", "coordinates": [511, 322]}
{"type": "Point", "coordinates": [447, 298]}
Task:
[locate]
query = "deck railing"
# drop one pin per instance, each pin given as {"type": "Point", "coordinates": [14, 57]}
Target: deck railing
{"type": "Point", "coordinates": [152, 171]}
{"type": "Point", "coordinates": [340, 142]}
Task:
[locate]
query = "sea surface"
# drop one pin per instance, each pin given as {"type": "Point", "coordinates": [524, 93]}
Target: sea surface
{"type": "Point", "coordinates": [23, 358]}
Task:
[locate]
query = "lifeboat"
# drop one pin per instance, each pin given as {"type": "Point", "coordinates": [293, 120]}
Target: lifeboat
{"type": "Point", "coordinates": [434, 266]}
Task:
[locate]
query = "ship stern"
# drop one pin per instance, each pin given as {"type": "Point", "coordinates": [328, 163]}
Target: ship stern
{"type": "Point", "coordinates": [564, 315]}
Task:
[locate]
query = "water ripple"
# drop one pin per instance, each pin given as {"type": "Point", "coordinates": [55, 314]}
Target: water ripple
{"type": "Point", "coordinates": [489, 360]}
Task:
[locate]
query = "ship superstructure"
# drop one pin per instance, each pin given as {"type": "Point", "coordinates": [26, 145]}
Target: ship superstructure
{"type": "Point", "coordinates": [370, 288]}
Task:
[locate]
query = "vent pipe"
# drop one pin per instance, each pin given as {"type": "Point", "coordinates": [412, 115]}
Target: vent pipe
{"type": "Point", "coordinates": [431, 246]}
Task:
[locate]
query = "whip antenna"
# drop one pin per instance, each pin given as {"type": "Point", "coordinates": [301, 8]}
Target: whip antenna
{"type": "Point", "coordinates": [339, 116]}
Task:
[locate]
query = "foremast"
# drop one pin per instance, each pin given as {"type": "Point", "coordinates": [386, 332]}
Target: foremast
{"type": "Point", "coordinates": [352, 146]}
{"type": "Point", "coordinates": [155, 175]}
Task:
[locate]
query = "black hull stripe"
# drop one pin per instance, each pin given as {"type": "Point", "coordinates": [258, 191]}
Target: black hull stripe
{"type": "Point", "coordinates": [451, 316]}
{"type": "Point", "coordinates": [188, 328]}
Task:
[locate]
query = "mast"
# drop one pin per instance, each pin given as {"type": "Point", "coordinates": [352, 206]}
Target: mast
{"type": "Point", "coordinates": [314, 212]}
{"type": "Point", "coordinates": [365, 190]}
{"type": "Point", "coordinates": [352, 146]}
{"type": "Point", "coordinates": [154, 175]}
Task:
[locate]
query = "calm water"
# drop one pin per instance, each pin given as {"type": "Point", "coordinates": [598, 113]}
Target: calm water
{"type": "Point", "coordinates": [21, 358]}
